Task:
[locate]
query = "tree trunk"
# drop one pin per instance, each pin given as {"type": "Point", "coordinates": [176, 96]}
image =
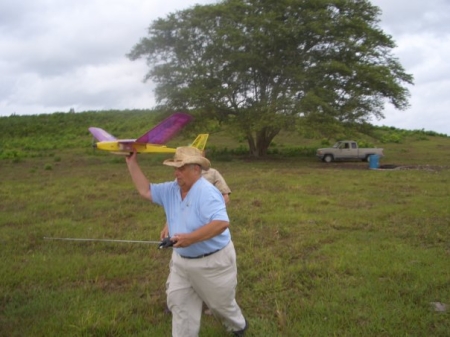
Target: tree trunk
{"type": "Point", "coordinates": [258, 147]}
{"type": "Point", "coordinates": [251, 145]}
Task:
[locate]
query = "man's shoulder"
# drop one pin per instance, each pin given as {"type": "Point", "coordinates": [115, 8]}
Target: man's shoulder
{"type": "Point", "coordinates": [168, 185]}
{"type": "Point", "coordinates": [210, 175]}
{"type": "Point", "coordinates": [209, 172]}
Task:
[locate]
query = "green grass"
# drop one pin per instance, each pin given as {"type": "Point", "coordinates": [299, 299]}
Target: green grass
{"type": "Point", "coordinates": [323, 250]}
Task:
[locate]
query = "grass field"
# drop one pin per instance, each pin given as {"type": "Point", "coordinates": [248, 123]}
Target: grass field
{"type": "Point", "coordinates": [323, 249]}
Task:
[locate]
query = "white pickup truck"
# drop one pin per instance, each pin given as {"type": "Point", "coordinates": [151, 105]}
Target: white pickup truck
{"type": "Point", "coordinates": [347, 150]}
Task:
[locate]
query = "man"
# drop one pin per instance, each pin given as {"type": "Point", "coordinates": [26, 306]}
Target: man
{"type": "Point", "coordinates": [203, 265]}
{"type": "Point", "coordinates": [215, 178]}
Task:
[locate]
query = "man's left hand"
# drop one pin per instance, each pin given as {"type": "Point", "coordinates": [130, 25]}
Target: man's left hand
{"type": "Point", "coordinates": [182, 240]}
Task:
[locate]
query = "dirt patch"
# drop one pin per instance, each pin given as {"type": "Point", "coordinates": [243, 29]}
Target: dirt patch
{"type": "Point", "coordinates": [344, 166]}
{"type": "Point", "coordinates": [365, 166]}
{"type": "Point", "coordinates": [431, 168]}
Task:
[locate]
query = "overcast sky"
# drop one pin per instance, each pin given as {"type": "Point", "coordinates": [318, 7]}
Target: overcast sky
{"type": "Point", "coordinates": [61, 54]}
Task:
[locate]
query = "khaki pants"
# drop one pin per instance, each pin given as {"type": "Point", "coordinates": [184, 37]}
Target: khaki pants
{"type": "Point", "coordinates": [211, 279]}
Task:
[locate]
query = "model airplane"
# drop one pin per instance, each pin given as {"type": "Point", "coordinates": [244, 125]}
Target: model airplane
{"type": "Point", "coordinates": [152, 141]}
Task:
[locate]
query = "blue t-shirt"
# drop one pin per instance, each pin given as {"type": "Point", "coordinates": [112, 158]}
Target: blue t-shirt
{"type": "Point", "coordinates": [202, 204]}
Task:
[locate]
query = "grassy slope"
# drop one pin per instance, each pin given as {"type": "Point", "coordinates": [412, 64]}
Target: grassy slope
{"type": "Point", "coordinates": [323, 250]}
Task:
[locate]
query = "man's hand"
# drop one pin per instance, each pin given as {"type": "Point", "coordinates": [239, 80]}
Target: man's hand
{"type": "Point", "coordinates": [182, 240]}
{"type": "Point", "coordinates": [132, 157]}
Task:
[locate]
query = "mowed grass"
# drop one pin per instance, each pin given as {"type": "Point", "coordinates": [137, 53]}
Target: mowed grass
{"type": "Point", "coordinates": [323, 250]}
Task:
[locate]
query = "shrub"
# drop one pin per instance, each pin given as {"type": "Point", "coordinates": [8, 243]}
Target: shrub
{"type": "Point", "coordinates": [325, 142]}
{"type": "Point", "coordinates": [392, 138]}
{"type": "Point", "coordinates": [364, 144]}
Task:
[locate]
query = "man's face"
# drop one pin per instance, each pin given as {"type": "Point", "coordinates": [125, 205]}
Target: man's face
{"type": "Point", "coordinates": [186, 175]}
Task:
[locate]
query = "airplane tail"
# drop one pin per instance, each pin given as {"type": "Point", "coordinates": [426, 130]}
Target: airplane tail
{"type": "Point", "coordinates": [200, 141]}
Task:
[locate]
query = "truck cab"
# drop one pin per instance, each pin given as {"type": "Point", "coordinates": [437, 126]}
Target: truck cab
{"type": "Point", "coordinates": [346, 149]}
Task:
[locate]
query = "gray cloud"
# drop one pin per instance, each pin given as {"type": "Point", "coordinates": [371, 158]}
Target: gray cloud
{"type": "Point", "coordinates": [415, 16]}
{"type": "Point", "coordinates": [422, 34]}
{"type": "Point", "coordinates": [56, 55]}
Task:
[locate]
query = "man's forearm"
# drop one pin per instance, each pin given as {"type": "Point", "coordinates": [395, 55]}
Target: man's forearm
{"type": "Point", "coordinates": [140, 181]}
{"type": "Point", "coordinates": [206, 232]}
{"type": "Point", "coordinates": [210, 230]}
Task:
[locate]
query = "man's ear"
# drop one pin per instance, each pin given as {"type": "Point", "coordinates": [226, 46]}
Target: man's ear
{"type": "Point", "coordinates": [199, 168]}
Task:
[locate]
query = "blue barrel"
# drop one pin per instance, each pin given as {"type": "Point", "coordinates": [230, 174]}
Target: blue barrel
{"type": "Point", "coordinates": [374, 161]}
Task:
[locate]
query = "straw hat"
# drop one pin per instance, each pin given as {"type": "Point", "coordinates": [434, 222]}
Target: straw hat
{"type": "Point", "coordinates": [188, 155]}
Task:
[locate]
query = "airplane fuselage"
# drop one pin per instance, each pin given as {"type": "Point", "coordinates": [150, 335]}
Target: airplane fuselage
{"type": "Point", "coordinates": [129, 145]}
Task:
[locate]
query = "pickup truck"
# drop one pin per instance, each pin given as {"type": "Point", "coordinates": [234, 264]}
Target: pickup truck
{"type": "Point", "coordinates": [347, 150]}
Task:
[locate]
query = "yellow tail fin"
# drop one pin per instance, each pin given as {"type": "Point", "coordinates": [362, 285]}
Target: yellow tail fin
{"type": "Point", "coordinates": [200, 141]}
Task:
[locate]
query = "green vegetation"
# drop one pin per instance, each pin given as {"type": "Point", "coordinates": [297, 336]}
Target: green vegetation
{"type": "Point", "coordinates": [323, 249]}
{"type": "Point", "coordinates": [47, 135]}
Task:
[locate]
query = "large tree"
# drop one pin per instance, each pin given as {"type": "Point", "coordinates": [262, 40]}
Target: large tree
{"type": "Point", "coordinates": [262, 65]}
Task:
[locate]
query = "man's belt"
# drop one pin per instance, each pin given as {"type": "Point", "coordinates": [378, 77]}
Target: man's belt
{"type": "Point", "coordinates": [200, 256]}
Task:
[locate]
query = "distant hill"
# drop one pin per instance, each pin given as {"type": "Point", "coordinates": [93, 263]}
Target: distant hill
{"type": "Point", "coordinates": [28, 136]}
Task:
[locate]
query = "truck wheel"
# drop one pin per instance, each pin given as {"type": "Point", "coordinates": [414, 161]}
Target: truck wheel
{"type": "Point", "coordinates": [328, 158]}
{"type": "Point", "coordinates": [367, 159]}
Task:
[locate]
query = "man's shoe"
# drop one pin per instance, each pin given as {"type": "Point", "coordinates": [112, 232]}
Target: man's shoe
{"type": "Point", "coordinates": [241, 333]}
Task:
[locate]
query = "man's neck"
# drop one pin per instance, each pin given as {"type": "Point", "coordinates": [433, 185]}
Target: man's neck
{"type": "Point", "coordinates": [187, 187]}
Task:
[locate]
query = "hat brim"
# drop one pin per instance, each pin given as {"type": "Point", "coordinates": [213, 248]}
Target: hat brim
{"type": "Point", "coordinates": [203, 162]}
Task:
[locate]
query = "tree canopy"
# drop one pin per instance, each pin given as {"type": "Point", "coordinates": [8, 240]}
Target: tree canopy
{"type": "Point", "coordinates": [265, 65]}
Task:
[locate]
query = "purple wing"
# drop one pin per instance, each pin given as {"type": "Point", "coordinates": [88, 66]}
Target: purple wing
{"type": "Point", "coordinates": [166, 130]}
{"type": "Point", "coordinates": [101, 135]}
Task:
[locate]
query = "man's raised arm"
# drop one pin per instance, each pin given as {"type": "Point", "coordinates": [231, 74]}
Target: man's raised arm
{"type": "Point", "coordinates": [140, 181]}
